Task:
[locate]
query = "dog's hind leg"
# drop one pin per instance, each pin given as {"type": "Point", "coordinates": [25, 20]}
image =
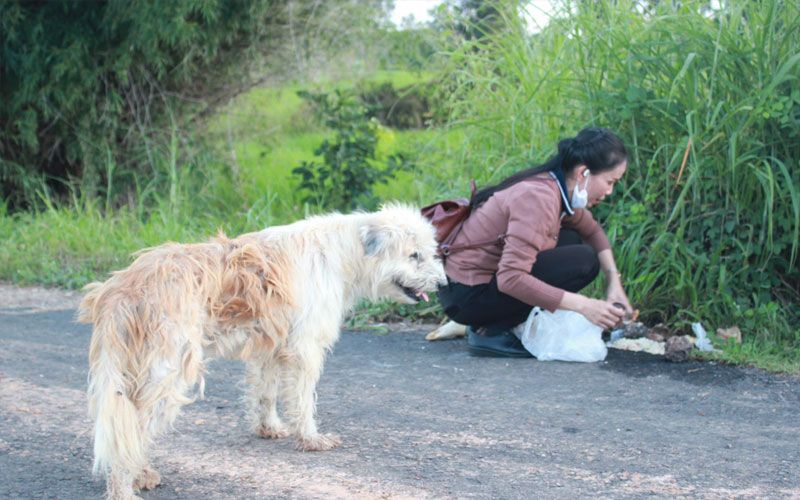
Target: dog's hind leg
{"type": "Point", "coordinates": [174, 369]}
{"type": "Point", "coordinates": [263, 379]}
{"type": "Point", "coordinates": [131, 407]}
{"type": "Point", "coordinates": [302, 368]}
{"type": "Point", "coordinates": [148, 479]}
{"type": "Point", "coordinates": [120, 441]}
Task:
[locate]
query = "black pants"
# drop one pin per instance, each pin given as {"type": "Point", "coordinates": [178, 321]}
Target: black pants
{"type": "Point", "coordinates": [571, 265]}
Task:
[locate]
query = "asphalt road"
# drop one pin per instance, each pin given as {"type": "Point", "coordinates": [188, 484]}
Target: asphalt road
{"type": "Point", "coordinates": [419, 420]}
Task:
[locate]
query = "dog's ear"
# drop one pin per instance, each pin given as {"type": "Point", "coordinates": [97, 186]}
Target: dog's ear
{"type": "Point", "coordinates": [374, 238]}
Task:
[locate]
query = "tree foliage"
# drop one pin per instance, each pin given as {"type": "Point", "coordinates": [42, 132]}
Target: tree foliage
{"type": "Point", "coordinates": [82, 81]}
{"type": "Point", "coordinates": [87, 86]}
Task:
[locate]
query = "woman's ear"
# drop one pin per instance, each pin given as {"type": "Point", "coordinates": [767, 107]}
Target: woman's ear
{"type": "Point", "coordinates": [580, 172]}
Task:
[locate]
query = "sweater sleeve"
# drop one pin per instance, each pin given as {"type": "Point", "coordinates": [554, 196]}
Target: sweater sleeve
{"type": "Point", "coordinates": [532, 213]}
{"type": "Point", "coordinates": [589, 230]}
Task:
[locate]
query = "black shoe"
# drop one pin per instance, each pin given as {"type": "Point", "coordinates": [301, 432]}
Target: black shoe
{"type": "Point", "coordinates": [495, 344]}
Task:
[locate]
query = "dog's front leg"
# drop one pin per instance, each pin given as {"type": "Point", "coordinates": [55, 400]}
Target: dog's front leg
{"type": "Point", "coordinates": [302, 370]}
{"type": "Point", "coordinates": [262, 397]}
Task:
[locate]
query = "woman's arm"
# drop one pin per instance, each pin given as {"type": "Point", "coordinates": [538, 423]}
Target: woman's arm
{"type": "Point", "coordinates": [614, 289]}
{"type": "Point", "coordinates": [599, 312]}
{"type": "Point", "coordinates": [588, 229]}
{"type": "Point", "coordinates": [602, 312]}
{"type": "Point", "coordinates": [592, 233]}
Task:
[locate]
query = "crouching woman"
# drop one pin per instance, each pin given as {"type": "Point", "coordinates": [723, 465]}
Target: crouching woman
{"type": "Point", "coordinates": [549, 246]}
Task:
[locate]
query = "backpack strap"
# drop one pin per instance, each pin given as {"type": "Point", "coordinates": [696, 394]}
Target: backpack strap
{"type": "Point", "coordinates": [446, 248]}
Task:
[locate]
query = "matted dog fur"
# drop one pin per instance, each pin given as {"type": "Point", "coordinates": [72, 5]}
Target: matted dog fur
{"type": "Point", "coordinates": [275, 298]}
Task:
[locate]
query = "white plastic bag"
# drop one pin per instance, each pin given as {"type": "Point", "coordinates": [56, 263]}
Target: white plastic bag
{"type": "Point", "coordinates": [703, 343]}
{"type": "Point", "coordinates": [563, 336]}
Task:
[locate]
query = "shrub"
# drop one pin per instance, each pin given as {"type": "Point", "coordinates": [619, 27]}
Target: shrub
{"type": "Point", "coordinates": [401, 108]}
{"type": "Point", "coordinates": [82, 80]}
{"type": "Point", "coordinates": [350, 164]}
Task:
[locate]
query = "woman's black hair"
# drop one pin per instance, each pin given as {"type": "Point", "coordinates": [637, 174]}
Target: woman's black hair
{"type": "Point", "coordinates": [598, 148]}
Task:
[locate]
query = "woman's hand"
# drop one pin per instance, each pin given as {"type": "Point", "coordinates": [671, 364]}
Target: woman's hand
{"type": "Point", "coordinates": [616, 294]}
{"type": "Point", "coordinates": [601, 313]}
{"type": "Point", "coordinates": [614, 290]}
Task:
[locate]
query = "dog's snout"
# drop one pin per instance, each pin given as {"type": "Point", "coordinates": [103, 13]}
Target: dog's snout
{"type": "Point", "coordinates": [441, 279]}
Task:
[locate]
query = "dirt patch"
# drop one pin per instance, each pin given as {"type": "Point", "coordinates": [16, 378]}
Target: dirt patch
{"type": "Point", "coordinates": [37, 298]}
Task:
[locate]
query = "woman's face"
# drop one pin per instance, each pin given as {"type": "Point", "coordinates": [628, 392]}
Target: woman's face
{"type": "Point", "coordinates": [602, 184]}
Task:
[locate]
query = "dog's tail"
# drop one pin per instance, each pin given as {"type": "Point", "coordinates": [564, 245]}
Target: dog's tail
{"type": "Point", "coordinates": [119, 437]}
{"type": "Point", "coordinates": [86, 309]}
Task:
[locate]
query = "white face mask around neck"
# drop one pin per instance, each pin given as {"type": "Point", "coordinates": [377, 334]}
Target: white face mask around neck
{"type": "Point", "coordinates": [580, 197]}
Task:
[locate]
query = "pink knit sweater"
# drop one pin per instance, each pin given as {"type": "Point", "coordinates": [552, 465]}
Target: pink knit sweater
{"type": "Point", "coordinates": [529, 214]}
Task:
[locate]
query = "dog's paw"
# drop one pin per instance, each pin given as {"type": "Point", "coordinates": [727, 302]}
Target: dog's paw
{"type": "Point", "coordinates": [272, 431]}
{"type": "Point", "coordinates": [125, 497]}
{"type": "Point", "coordinates": [115, 496]}
{"type": "Point", "coordinates": [147, 480]}
{"type": "Point", "coordinates": [118, 494]}
{"type": "Point", "coordinates": [319, 442]}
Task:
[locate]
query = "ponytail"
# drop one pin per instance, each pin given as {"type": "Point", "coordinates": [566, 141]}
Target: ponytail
{"type": "Point", "coordinates": [597, 148]}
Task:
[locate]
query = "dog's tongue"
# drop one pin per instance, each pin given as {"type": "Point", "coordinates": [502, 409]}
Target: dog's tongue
{"type": "Point", "coordinates": [424, 296]}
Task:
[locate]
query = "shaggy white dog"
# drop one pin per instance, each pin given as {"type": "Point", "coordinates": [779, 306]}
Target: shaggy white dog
{"type": "Point", "coordinates": [274, 298]}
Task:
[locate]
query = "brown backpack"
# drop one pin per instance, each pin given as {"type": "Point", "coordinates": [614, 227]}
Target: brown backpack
{"type": "Point", "coordinates": [448, 216]}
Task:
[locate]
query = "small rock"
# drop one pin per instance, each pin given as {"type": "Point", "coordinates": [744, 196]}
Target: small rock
{"type": "Point", "coordinates": [634, 330]}
{"type": "Point", "coordinates": [678, 348]}
{"type": "Point", "coordinates": [655, 337]}
{"type": "Point", "coordinates": [730, 333]}
{"type": "Point", "coordinates": [661, 329]}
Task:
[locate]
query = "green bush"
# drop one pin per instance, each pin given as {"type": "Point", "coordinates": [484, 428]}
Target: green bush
{"type": "Point", "coordinates": [82, 83]}
{"type": "Point", "coordinates": [350, 164]}
{"type": "Point", "coordinates": [401, 108]}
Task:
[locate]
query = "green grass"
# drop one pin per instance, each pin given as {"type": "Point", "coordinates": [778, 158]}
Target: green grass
{"type": "Point", "coordinates": [69, 247]}
{"type": "Point", "coordinates": [266, 169]}
{"type": "Point", "coordinates": [269, 131]}
{"type": "Point", "coordinates": [399, 78]}
{"type": "Point", "coordinates": [761, 353]}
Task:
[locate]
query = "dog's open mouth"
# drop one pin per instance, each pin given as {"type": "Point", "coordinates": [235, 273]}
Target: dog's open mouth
{"type": "Point", "coordinates": [411, 293]}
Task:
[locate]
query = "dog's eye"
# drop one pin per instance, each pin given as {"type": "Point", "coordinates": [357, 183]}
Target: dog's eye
{"type": "Point", "coordinates": [414, 256]}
